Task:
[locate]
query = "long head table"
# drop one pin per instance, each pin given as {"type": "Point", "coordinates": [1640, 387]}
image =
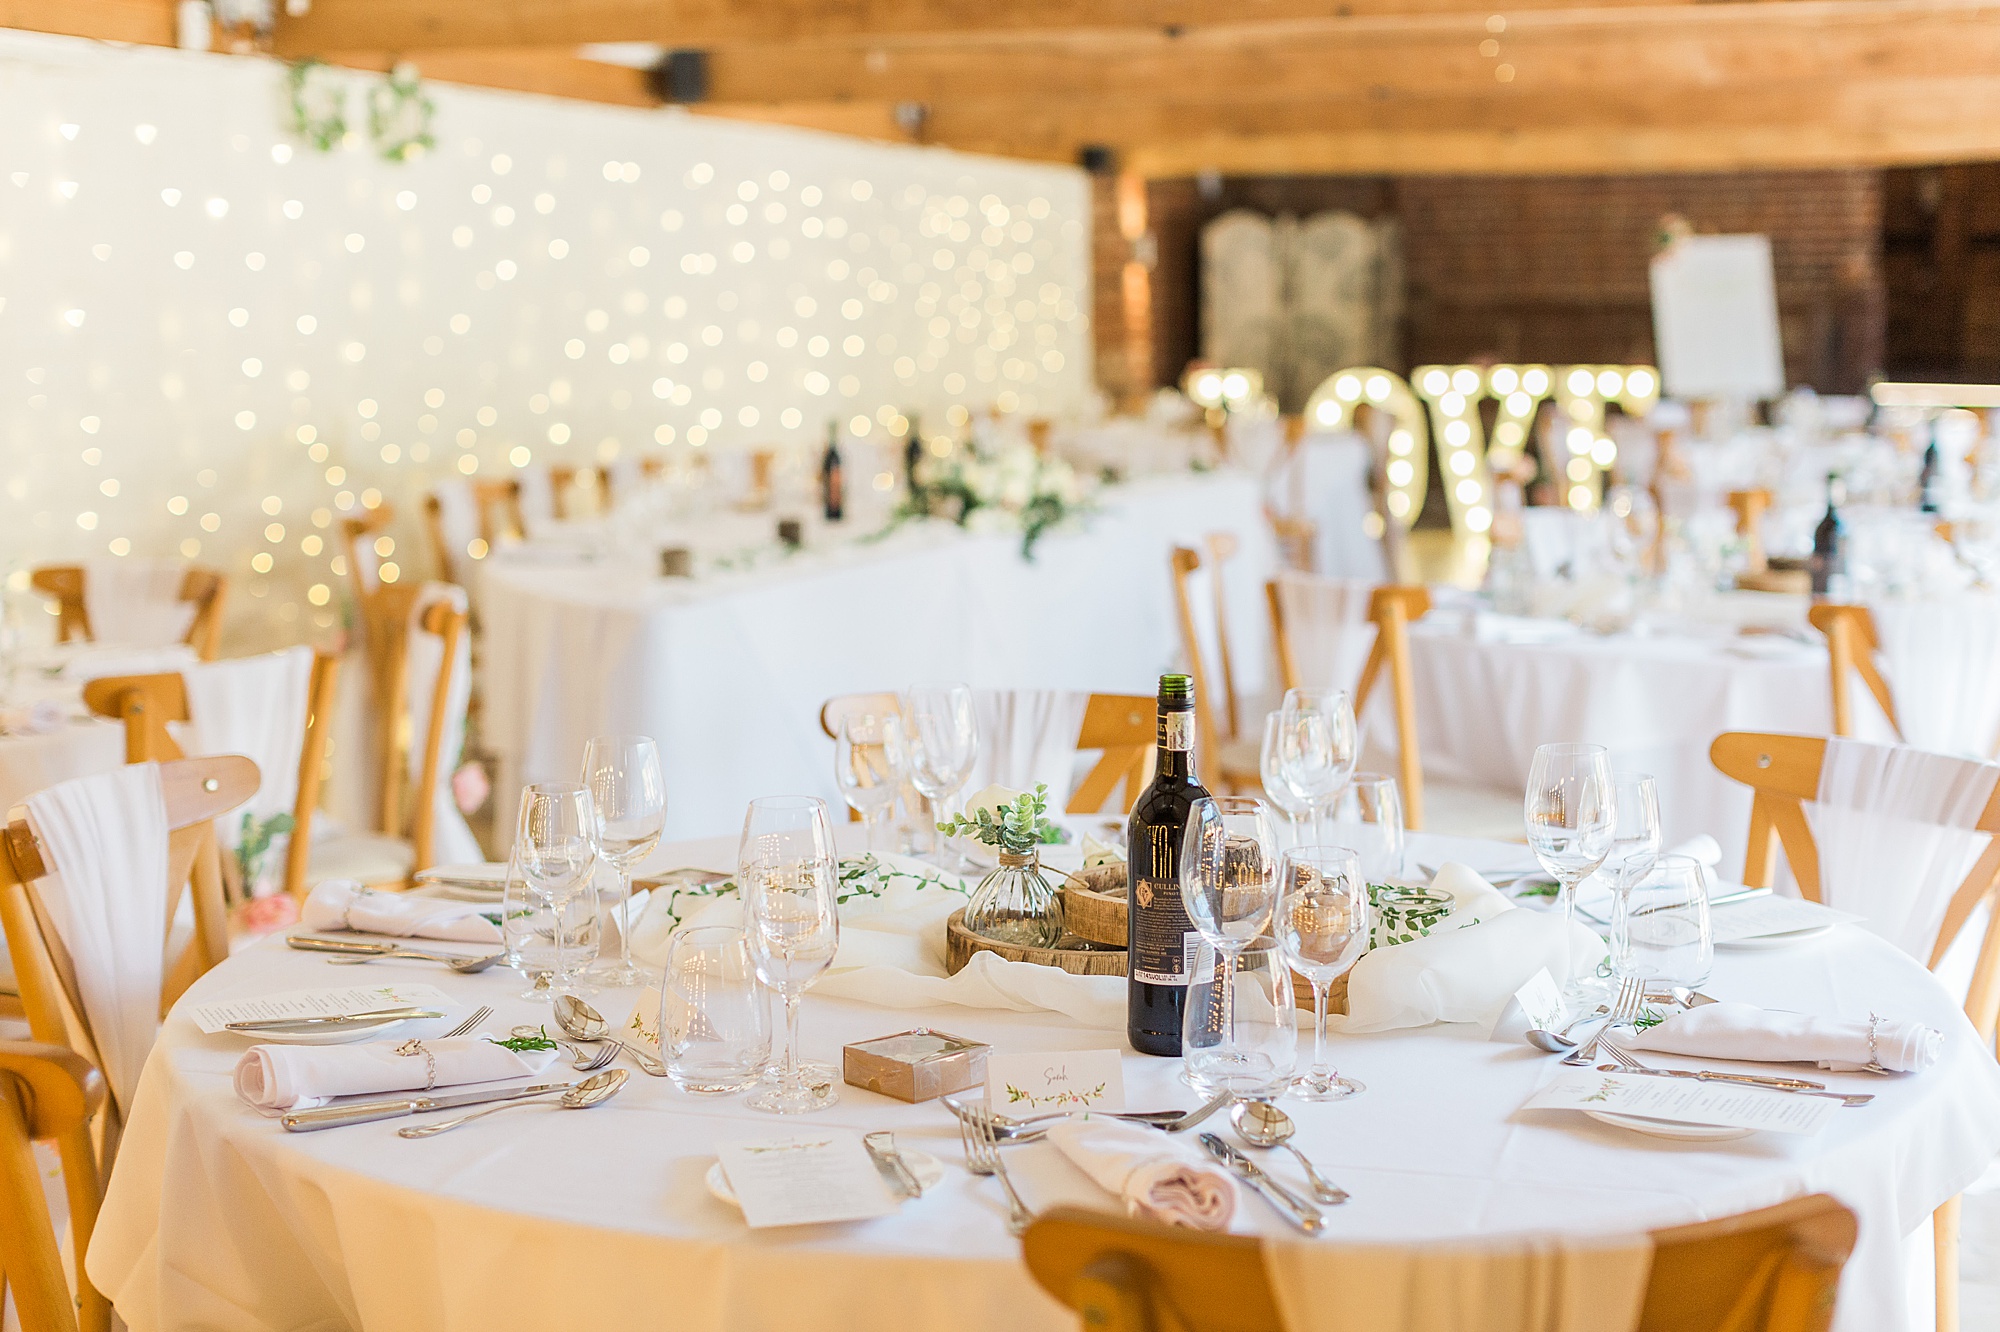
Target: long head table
{"type": "Point", "coordinates": [542, 1218]}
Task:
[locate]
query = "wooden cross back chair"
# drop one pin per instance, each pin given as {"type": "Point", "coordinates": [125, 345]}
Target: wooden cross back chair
{"type": "Point", "coordinates": [1851, 644]}
{"type": "Point", "coordinates": [1772, 1270]}
{"type": "Point", "coordinates": [47, 1093]}
{"type": "Point", "coordinates": [1784, 772]}
{"type": "Point", "coordinates": [1391, 607]}
{"type": "Point", "coordinates": [1224, 761]}
{"type": "Point", "coordinates": [1120, 727]}
{"type": "Point", "coordinates": [146, 703]}
{"type": "Point", "coordinates": [197, 791]}
{"type": "Point", "coordinates": [205, 589]}
{"type": "Point", "coordinates": [498, 504]}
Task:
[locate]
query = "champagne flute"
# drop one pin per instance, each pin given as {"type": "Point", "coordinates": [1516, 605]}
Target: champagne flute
{"type": "Point", "coordinates": [789, 875]}
{"type": "Point", "coordinates": [1368, 819]}
{"type": "Point", "coordinates": [1569, 812]}
{"type": "Point", "coordinates": [1229, 885]}
{"type": "Point", "coordinates": [869, 762]}
{"type": "Point", "coordinates": [1316, 746]}
{"type": "Point", "coordinates": [629, 798]}
{"type": "Point", "coordinates": [1270, 765]}
{"type": "Point", "coordinates": [944, 744]}
{"type": "Point", "coordinates": [556, 848]}
{"type": "Point", "coordinates": [1321, 924]}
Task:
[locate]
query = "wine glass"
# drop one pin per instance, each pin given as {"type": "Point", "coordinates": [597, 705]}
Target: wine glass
{"type": "Point", "coordinates": [1635, 826]}
{"type": "Point", "coordinates": [1368, 819]}
{"type": "Point", "coordinates": [1270, 765]}
{"type": "Point", "coordinates": [789, 875]}
{"type": "Point", "coordinates": [869, 762]}
{"type": "Point", "coordinates": [1660, 926]}
{"type": "Point", "coordinates": [1321, 924]}
{"type": "Point", "coordinates": [630, 800]}
{"type": "Point", "coordinates": [528, 929]}
{"type": "Point", "coordinates": [1228, 885]}
{"type": "Point", "coordinates": [1569, 811]}
{"type": "Point", "coordinates": [556, 847]}
{"type": "Point", "coordinates": [1316, 746]}
{"type": "Point", "coordinates": [715, 1024]}
{"type": "Point", "coordinates": [944, 744]}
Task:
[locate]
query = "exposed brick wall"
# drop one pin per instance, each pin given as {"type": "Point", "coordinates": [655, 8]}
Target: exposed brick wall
{"type": "Point", "coordinates": [1941, 263]}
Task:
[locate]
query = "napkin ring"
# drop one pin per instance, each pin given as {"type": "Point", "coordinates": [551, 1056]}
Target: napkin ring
{"type": "Point", "coordinates": [1874, 1064]}
{"type": "Point", "coordinates": [347, 912]}
{"type": "Point", "coordinates": [415, 1047]}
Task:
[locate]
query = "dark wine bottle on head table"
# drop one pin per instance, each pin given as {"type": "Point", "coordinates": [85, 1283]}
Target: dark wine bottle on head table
{"type": "Point", "coordinates": [1156, 921]}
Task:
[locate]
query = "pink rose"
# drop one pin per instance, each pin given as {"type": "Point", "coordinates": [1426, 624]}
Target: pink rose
{"type": "Point", "coordinates": [263, 915]}
{"type": "Point", "coordinates": [470, 787]}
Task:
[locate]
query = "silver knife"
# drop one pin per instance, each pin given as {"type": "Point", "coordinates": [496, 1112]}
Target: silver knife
{"type": "Point", "coordinates": [881, 1146]}
{"type": "Point", "coordinates": [335, 1020]}
{"type": "Point", "coordinates": [1295, 1209]}
{"type": "Point", "coordinates": [334, 1116]}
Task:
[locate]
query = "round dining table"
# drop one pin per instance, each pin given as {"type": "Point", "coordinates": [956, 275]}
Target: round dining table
{"type": "Point", "coordinates": [217, 1218]}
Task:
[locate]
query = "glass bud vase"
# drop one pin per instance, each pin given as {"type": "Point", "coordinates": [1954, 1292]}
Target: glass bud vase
{"type": "Point", "coordinates": [1014, 904]}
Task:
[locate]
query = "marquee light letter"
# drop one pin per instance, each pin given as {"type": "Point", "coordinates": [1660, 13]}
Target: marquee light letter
{"type": "Point", "coordinates": [1332, 406]}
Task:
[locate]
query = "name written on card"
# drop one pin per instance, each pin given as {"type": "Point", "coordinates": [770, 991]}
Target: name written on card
{"type": "Point", "coordinates": [1026, 1084]}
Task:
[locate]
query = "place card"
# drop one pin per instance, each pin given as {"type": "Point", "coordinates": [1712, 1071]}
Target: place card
{"type": "Point", "coordinates": [1025, 1084]}
{"type": "Point", "coordinates": [644, 1021]}
{"type": "Point", "coordinates": [1541, 1001]}
{"type": "Point", "coordinates": [1765, 917]}
{"type": "Point", "coordinates": [804, 1179]}
{"type": "Point", "coordinates": [1685, 1101]}
{"type": "Point", "coordinates": [212, 1018]}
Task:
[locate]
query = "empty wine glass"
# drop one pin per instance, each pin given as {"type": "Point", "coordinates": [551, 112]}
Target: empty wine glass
{"type": "Point", "coordinates": [787, 870]}
{"type": "Point", "coordinates": [715, 1025]}
{"type": "Point", "coordinates": [556, 848]}
{"type": "Point", "coordinates": [1568, 810]}
{"type": "Point", "coordinates": [1368, 820]}
{"type": "Point", "coordinates": [1316, 746]}
{"type": "Point", "coordinates": [1321, 925]}
{"type": "Point", "coordinates": [629, 798]}
{"type": "Point", "coordinates": [1277, 791]}
{"type": "Point", "coordinates": [1635, 826]}
{"type": "Point", "coordinates": [944, 744]}
{"type": "Point", "coordinates": [1228, 884]}
{"type": "Point", "coordinates": [869, 762]}
{"type": "Point", "coordinates": [528, 928]}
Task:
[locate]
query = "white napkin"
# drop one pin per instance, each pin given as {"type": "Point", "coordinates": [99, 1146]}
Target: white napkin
{"type": "Point", "coordinates": [1700, 847]}
{"type": "Point", "coordinates": [297, 1077]}
{"type": "Point", "coordinates": [1466, 970]}
{"type": "Point", "coordinates": [38, 718]}
{"type": "Point", "coordinates": [1767, 1036]}
{"type": "Point", "coordinates": [343, 904]}
{"type": "Point", "coordinates": [1157, 1179]}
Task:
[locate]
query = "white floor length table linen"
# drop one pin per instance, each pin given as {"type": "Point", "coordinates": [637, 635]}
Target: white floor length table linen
{"type": "Point", "coordinates": [728, 672]}
{"type": "Point", "coordinates": [540, 1218]}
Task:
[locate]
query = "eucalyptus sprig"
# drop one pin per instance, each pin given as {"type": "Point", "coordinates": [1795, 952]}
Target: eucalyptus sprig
{"type": "Point", "coordinates": [523, 1044]}
{"type": "Point", "coordinates": [1020, 825]}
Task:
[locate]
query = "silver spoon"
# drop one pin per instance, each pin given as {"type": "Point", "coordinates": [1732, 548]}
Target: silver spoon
{"type": "Point", "coordinates": [586, 1058]}
{"type": "Point", "coordinates": [585, 1023]}
{"type": "Point", "coordinates": [1264, 1125]}
{"type": "Point", "coordinates": [1558, 1042]}
{"type": "Point", "coordinates": [591, 1091]}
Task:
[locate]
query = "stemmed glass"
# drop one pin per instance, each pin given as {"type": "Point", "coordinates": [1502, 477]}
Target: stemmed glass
{"type": "Point", "coordinates": [944, 744]}
{"type": "Point", "coordinates": [1270, 765]}
{"type": "Point", "coordinates": [1569, 810]}
{"type": "Point", "coordinates": [1316, 746]}
{"type": "Point", "coordinates": [1321, 924]}
{"type": "Point", "coordinates": [1635, 826]}
{"type": "Point", "coordinates": [1368, 818]}
{"type": "Point", "coordinates": [629, 798]}
{"type": "Point", "coordinates": [869, 762]}
{"type": "Point", "coordinates": [1228, 884]}
{"type": "Point", "coordinates": [556, 848]}
{"type": "Point", "coordinates": [788, 872]}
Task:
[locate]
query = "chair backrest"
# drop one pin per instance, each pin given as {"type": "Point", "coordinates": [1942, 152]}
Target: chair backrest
{"type": "Point", "coordinates": [1391, 608]}
{"type": "Point", "coordinates": [206, 589]}
{"type": "Point", "coordinates": [1750, 506]}
{"type": "Point", "coordinates": [1784, 773]}
{"type": "Point", "coordinates": [1204, 661]}
{"type": "Point", "coordinates": [444, 620]}
{"type": "Point", "coordinates": [1851, 646]}
{"type": "Point", "coordinates": [1773, 1270]}
{"type": "Point", "coordinates": [147, 703]}
{"type": "Point", "coordinates": [46, 1093]}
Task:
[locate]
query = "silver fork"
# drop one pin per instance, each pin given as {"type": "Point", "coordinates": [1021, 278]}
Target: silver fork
{"type": "Point", "coordinates": [465, 1028]}
{"type": "Point", "coordinates": [1796, 1086]}
{"type": "Point", "coordinates": [1631, 994]}
{"type": "Point", "coordinates": [982, 1157]}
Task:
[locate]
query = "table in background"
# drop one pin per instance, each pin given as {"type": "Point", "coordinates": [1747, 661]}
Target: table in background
{"type": "Point", "coordinates": [728, 671]}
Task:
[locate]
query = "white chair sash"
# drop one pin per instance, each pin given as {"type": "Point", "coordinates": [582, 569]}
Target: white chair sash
{"type": "Point", "coordinates": [538, 500]}
{"type": "Point", "coordinates": [1942, 661]}
{"type": "Point", "coordinates": [1896, 830]}
{"type": "Point", "coordinates": [1327, 624]}
{"type": "Point", "coordinates": [1027, 736]}
{"type": "Point", "coordinates": [136, 603]}
{"type": "Point", "coordinates": [453, 842]}
{"type": "Point", "coordinates": [104, 839]}
{"type": "Point", "coordinates": [254, 706]}
{"type": "Point", "coordinates": [1207, 635]}
{"type": "Point", "coordinates": [458, 520]}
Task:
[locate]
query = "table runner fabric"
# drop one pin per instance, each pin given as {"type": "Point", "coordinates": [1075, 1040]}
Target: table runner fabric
{"type": "Point", "coordinates": [136, 602]}
{"type": "Point", "coordinates": [256, 707]}
{"type": "Point", "coordinates": [104, 839]}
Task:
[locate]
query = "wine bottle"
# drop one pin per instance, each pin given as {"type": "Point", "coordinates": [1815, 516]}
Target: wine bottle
{"type": "Point", "coordinates": [1927, 479]}
{"type": "Point", "coordinates": [1156, 922]}
{"type": "Point", "coordinates": [832, 491]}
{"type": "Point", "coordinates": [1829, 552]}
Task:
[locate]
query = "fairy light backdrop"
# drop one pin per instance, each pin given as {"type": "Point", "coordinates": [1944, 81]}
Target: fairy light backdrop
{"type": "Point", "coordinates": [215, 339]}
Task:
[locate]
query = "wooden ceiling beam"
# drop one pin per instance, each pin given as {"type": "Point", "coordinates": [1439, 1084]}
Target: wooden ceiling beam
{"type": "Point", "coordinates": [550, 73]}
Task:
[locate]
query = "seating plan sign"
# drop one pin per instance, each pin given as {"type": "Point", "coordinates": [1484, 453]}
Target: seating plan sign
{"type": "Point", "coordinates": [1715, 318]}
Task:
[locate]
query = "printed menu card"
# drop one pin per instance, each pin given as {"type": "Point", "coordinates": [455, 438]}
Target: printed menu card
{"type": "Point", "coordinates": [803, 1178]}
{"type": "Point", "coordinates": [212, 1018]}
{"type": "Point", "coordinates": [1685, 1101]}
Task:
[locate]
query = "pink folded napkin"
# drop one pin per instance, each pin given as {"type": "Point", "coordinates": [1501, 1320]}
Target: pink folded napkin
{"type": "Point", "coordinates": [297, 1077]}
{"type": "Point", "coordinates": [343, 904]}
{"type": "Point", "coordinates": [1149, 1171]}
{"type": "Point", "coordinates": [1768, 1036]}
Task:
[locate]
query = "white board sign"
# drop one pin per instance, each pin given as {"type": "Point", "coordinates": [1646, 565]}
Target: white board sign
{"type": "Point", "coordinates": [1715, 318]}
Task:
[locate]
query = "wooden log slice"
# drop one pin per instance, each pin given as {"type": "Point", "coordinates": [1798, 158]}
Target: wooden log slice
{"type": "Point", "coordinates": [1078, 956]}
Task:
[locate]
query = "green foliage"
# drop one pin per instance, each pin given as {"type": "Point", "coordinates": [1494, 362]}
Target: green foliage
{"type": "Point", "coordinates": [523, 1044]}
{"type": "Point", "coordinates": [1021, 827]}
{"type": "Point", "coordinates": [255, 841]}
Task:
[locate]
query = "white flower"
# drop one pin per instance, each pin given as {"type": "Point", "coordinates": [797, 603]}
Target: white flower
{"type": "Point", "coordinates": [994, 799]}
{"type": "Point", "coordinates": [1016, 491]}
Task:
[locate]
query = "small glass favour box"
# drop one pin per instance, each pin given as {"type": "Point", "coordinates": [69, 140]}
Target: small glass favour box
{"type": "Point", "coordinates": [915, 1065]}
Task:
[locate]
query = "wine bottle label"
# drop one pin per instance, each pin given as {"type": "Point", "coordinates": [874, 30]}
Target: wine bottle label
{"type": "Point", "coordinates": [1160, 927]}
{"type": "Point", "coordinates": [1177, 731]}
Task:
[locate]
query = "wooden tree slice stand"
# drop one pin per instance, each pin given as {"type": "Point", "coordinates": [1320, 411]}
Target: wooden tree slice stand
{"type": "Point", "coordinates": [1085, 959]}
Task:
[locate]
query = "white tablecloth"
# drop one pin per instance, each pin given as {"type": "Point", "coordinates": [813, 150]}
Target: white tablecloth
{"type": "Point", "coordinates": [218, 1219]}
{"type": "Point", "coordinates": [728, 671]}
